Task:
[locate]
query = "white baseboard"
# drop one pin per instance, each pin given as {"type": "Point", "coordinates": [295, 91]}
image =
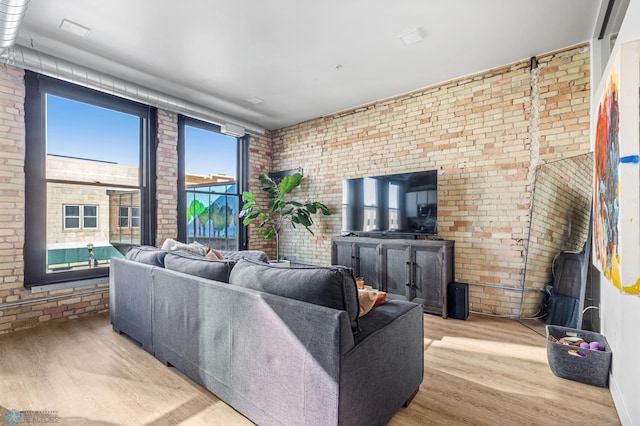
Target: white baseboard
{"type": "Point", "coordinates": [618, 401]}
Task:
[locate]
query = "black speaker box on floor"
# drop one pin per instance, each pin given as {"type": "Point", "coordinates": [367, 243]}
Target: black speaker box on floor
{"type": "Point", "coordinates": [458, 300]}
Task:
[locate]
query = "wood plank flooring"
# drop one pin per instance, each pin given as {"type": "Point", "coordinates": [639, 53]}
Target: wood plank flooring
{"type": "Point", "coordinates": [483, 371]}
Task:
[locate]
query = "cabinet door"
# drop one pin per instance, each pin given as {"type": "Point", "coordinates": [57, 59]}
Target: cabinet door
{"type": "Point", "coordinates": [367, 260]}
{"type": "Point", "coordinates": [342, 253]}
{"type": "Point", "coordinates": [396, 271]}
{"type": "Point", "coordinates": [426, 271]}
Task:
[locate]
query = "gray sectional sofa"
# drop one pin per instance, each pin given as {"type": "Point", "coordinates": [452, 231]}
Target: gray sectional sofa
{"type": "Point", "coordinates": [281, 346]}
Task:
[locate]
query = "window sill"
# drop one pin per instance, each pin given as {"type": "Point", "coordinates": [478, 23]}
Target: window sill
{"type": "Point", "coordinates": [69, 284]}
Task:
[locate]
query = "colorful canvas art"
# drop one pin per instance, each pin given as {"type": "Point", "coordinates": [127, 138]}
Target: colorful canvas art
{"type": "Point", "coordinates": [606, 196]}
{"type": "Point", "coordinates": [615, 199]}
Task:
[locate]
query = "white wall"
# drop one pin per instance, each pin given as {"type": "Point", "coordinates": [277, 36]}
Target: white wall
{"type": "Point", "coordinates": [620, 314]}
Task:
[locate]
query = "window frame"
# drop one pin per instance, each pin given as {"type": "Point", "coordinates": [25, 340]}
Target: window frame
{"type": "Point", "coordinates": [242, 171]}
{"type": "Point", "coordinates": [37, 86]}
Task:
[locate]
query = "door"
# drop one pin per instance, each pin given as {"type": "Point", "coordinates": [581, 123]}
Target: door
{"type": "Point", "coordinates": [427, 277]}
{"type": "Point", "coordinates": [396, 263]}
{"type": "Point", "coordinates": [342, 253]}
{"type": "Point", "coordinates": [367, 256]}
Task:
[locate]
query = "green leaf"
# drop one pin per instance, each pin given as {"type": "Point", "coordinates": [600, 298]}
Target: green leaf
{"type": "Point", "coordinates": [312, 208]}
{"type": "Point", "coordinates": [269, 233]}
{"type": "Point", "coordinates": [274, 205]}
{"type": "Point", "coordinates": [305, 220]}
{"type": "Point", "coordinates": [290, 182]}
{"type": "Point", "coordinates": [265, 179]}
{"type": "Point", "coordinates": [247, 196]}
{"type": "Point", "coordinates": [325, 210]}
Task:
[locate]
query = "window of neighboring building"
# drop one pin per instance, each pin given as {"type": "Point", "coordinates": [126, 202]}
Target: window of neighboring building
{"type": "Point", "coordinates": [89, 217]}
{"type": "Point", "coordinates": [135, 217]}
{"type": "Point", "coordinates": [71, 217]}
{"type": "Point", "coordinates": [80, 217]}
{"type": "Point", "coordinates": [211, 177]}
{"type": "Point", "coordinates": [129, 217]}
{"type": "Point", "coordinates": [123, 217]}
{"type": "Point", "coordinates": [87, 155]}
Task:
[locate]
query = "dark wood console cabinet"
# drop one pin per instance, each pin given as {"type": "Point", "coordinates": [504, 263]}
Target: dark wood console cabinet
{"type": "Point", "coordinates": [415, 270]}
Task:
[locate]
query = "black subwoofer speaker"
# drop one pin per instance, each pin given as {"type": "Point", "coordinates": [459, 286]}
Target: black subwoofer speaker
{"type": "Point", "coordinates": [458, 300]}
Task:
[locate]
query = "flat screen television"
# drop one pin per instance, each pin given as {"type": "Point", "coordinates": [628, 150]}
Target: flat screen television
{"type": "Point", "coordinates": [388, 204]}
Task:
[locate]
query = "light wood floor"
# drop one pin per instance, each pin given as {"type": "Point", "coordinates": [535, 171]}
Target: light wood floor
{"type": "Point", "coordinates": [483, 371]}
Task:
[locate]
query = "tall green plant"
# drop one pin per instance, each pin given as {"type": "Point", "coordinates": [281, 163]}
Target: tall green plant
{"type": "Point", "coordinates": [280, 209]}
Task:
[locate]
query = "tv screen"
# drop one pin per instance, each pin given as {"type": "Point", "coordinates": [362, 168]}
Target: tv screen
{"type": "Point", "coordinates": [403, 202]}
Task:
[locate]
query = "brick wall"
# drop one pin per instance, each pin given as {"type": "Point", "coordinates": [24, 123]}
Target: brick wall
{"type": "Point", "coordinates": [261, 161]}
{"type": "Point", "coordinates": [167, 177]}
{"type": "Point", "coordinates": [485, 134]}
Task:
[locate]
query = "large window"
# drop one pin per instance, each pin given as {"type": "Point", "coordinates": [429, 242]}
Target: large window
{"type": "Point", "coordinates": [211, 179]}
{"type": "Point", "coordinates": [89, 167]}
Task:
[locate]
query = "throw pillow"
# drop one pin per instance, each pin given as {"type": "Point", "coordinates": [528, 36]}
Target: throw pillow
{"type": "Point", "coordinates": [332, 286]}
{"type": "Point", "coordinates": [147, 254]}
{"type": "Point", "coordinates": [245, 254]}
{"type": "Point", "coordinates": [369, 299]}
{"type": "Point", "coordinates": [199, 266]}
{"type": "Point", "coordinates": [195, 247]}
{"type": "Point", "coordinates": [214, 254]}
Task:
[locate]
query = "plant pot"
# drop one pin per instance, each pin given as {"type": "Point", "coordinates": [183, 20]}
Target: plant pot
{"type": "Point", "coordinates": [280, 263]}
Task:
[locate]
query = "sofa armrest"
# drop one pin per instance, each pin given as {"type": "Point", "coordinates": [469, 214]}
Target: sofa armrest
{"type": "Point", "coordinates": [385, 369]}
{"type": "Point", "coordinates": [130, 300]}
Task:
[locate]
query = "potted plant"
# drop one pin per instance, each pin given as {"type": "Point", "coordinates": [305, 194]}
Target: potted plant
{"type": "Point", "coordinates": [280, 209]}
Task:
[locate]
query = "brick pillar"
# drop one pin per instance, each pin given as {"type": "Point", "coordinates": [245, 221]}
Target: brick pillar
{"type": "Point", "coordinates": [167, 177]}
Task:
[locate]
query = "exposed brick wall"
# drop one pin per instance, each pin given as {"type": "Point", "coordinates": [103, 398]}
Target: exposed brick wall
{"type": "Point", "coordinates": [476, 131]}
{"type": "Point", "coordinates": [167, 177]}
{"type": "Point", "coordinates": [565, 96]}
{"type": "Point", "coordinates": [261, 161]}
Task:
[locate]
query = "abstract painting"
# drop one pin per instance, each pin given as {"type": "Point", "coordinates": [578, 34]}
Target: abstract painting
{"type": "Point", "coordinates": [615, 198]}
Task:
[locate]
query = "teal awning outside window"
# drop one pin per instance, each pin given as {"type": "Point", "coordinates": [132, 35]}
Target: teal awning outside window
{"type": "Point", "coordinates": [65, 258]}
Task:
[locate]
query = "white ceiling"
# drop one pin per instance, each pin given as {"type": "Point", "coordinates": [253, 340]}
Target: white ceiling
{"type": "Point", "coordinates": [220, 53]}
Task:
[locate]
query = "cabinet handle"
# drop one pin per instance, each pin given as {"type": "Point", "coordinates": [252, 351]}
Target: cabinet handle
{"type": "Point", "coordinates": [413, 275]}
{"type": "Point", "coordinates": [407, 273]}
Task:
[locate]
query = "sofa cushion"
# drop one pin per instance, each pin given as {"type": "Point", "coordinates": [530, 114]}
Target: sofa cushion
{"type": "Point", "coordinates": [380, 317]}
{"type": "Point", "coordinates": [200, 266]}
{"type": "Point", "coordinates": [244, 254]}
{"type": "Point", "coordinates": [147, 254]}
{"type": "Point", "coordinates": [331, 286]}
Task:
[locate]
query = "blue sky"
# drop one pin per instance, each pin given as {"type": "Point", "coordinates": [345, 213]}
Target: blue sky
{"type": "Point", "coordinates": [80, 130]}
